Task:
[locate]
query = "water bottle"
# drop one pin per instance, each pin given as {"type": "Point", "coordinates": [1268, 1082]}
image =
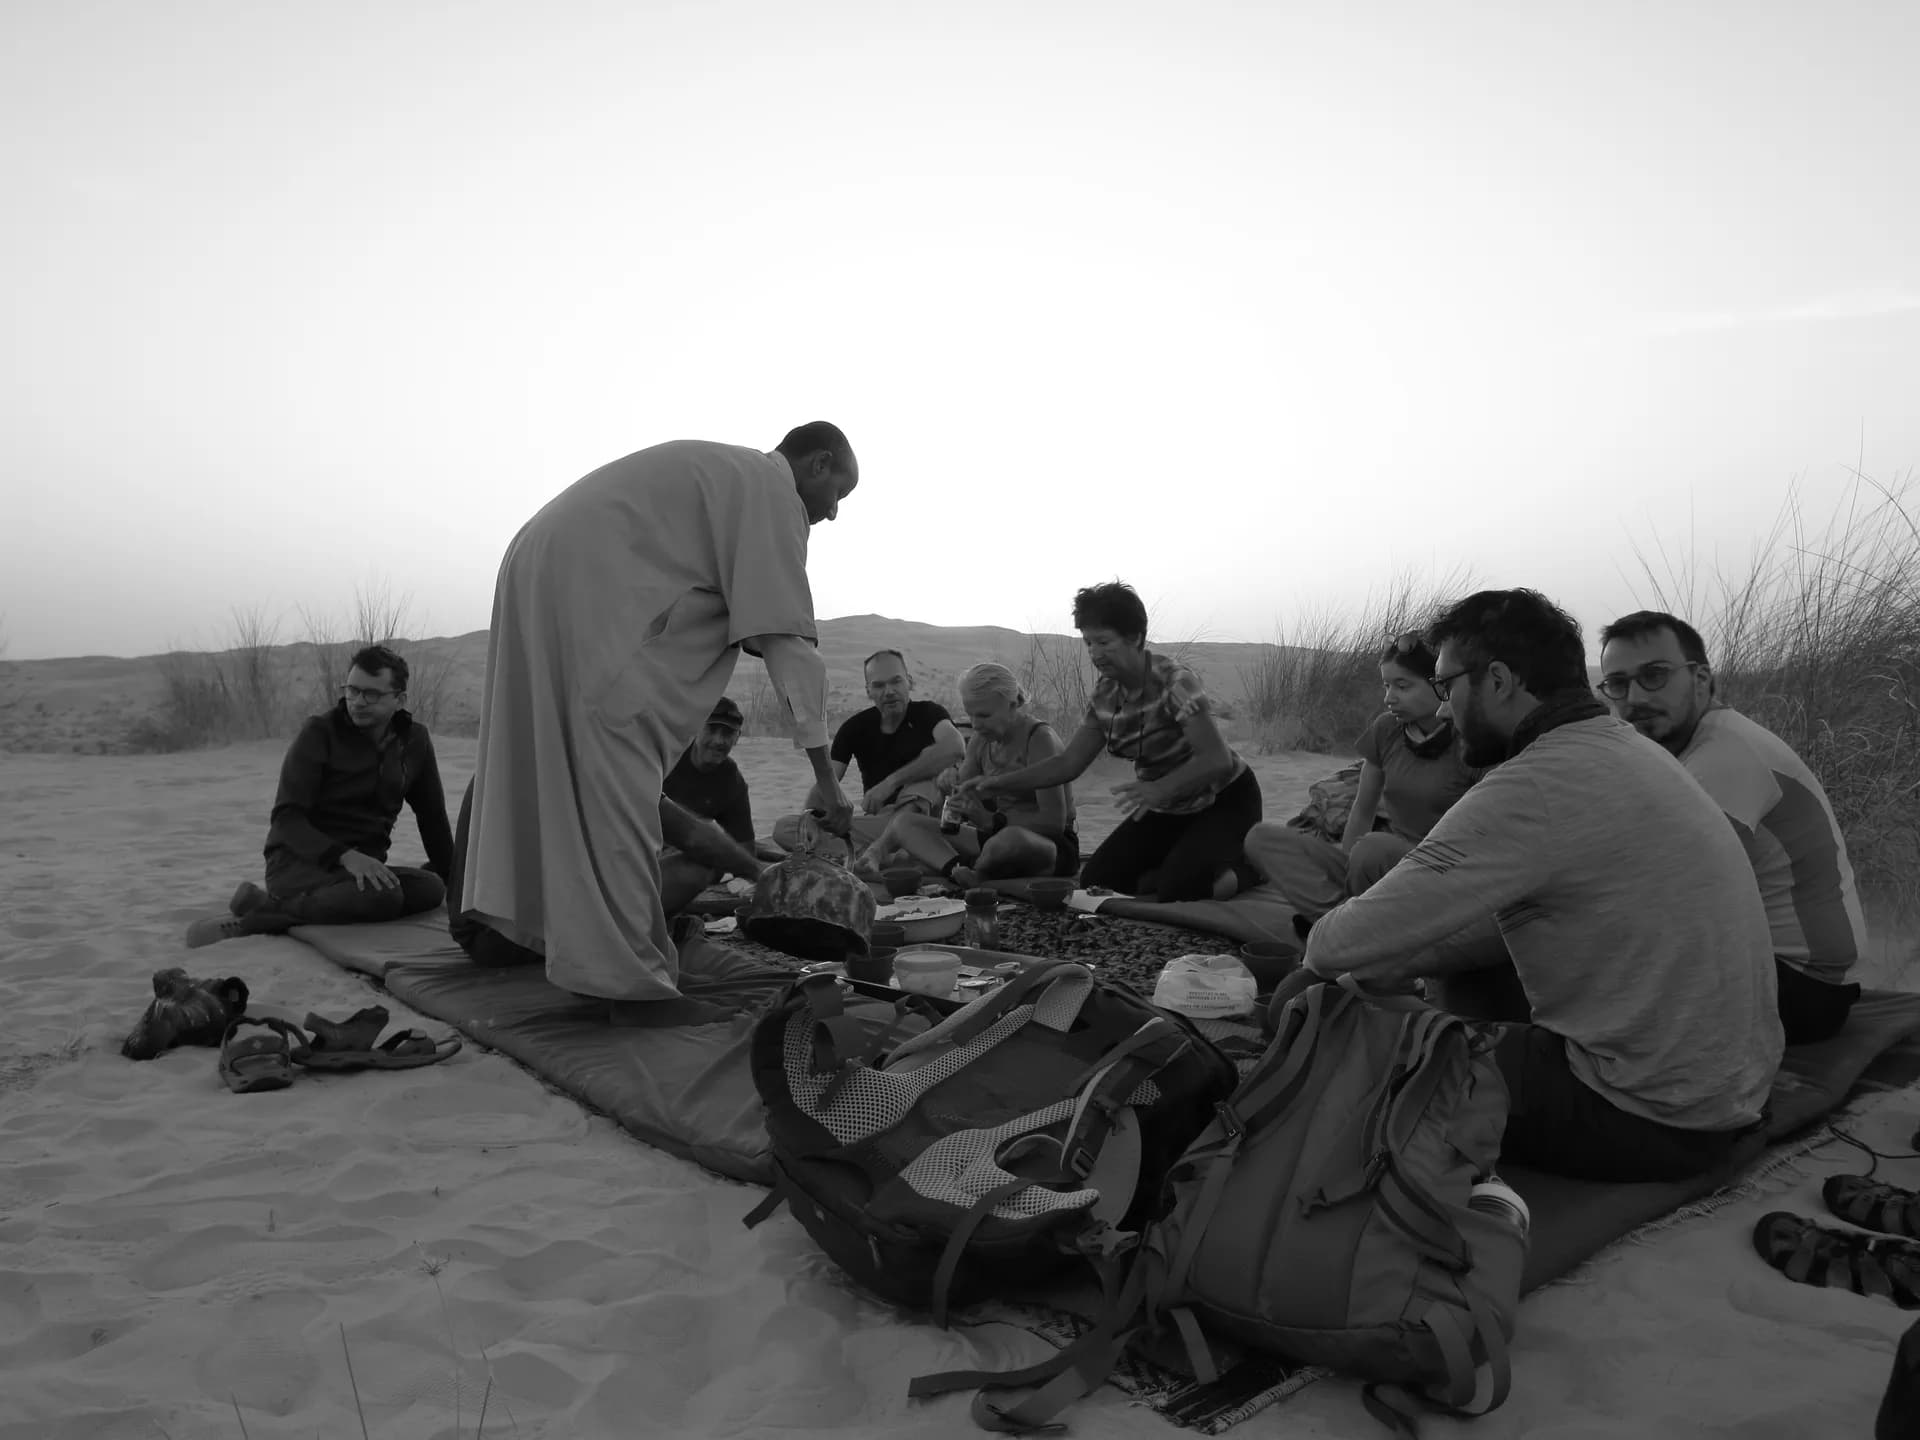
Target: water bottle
{"type": "Point", "coordinates": [1493, 1196]}
{"type": "Point", "coordinates": [983, 919]}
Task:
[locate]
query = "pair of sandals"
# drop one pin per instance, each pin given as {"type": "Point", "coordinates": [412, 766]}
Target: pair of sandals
{"type": "Point", "coordinates": [250, 1063]}
{"type": "Point", "coordinates": [1886, 1264]}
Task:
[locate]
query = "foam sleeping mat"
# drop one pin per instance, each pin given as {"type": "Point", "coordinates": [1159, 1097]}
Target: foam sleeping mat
{"type": "Point", "coordinates": [688, 1091]}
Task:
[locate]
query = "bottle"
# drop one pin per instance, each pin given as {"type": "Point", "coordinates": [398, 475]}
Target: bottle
{"type": "Point", "coordinates": [952, 814]}
{"type": "Point", "coordinates": [983, 919]}
{"type": "Point", "coordinates": [1493, 1196]}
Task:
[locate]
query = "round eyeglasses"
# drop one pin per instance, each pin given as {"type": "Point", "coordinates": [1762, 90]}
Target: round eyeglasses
{"type": "Point", "coordinates": [1650, 678]}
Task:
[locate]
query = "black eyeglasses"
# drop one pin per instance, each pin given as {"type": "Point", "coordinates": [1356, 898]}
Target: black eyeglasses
{"type": "Point", "coordinates": [357, 692]}
{"type": "Point", "coordinates": [1443, 684]}
{"type": "Point", "coordinates": [1650, 678]}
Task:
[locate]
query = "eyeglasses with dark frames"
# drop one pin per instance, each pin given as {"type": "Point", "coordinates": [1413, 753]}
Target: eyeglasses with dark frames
{"type": "Point", "coordinates": [366, 696]}
{"type": "Point", "coordinates": [1650, 678]}
{"type": "Point", "coordinates": [1443, 684]}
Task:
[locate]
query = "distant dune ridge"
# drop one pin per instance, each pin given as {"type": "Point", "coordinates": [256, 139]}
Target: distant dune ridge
{"type": "Point", "coordinates": [97, 704]}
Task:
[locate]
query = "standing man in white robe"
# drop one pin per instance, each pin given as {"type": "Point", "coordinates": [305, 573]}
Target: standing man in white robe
{"type": "Point", "coordinates": [618, 614]}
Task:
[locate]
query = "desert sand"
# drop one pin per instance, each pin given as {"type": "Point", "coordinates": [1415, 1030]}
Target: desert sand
{"type": "Point", "coordinates": [178, 1261]}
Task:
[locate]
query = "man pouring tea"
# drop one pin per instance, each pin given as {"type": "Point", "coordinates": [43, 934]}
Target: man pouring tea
{"type": "Point", "coordinates": [618, 614]}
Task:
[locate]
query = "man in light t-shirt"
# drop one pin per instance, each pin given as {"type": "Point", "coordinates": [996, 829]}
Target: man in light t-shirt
{"type": "Point", "coordinates": [1623, 898]}
{"type": "Point", "coordinates": [1655, 676]}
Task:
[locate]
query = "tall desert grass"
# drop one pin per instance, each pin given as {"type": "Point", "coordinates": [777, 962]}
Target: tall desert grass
{"type": "Point", "coordinates": [256, 688]}
{"type": "Point", "coordinates": [1818, 639]}
{"type": "Point", "coordinates": [1317, 687]}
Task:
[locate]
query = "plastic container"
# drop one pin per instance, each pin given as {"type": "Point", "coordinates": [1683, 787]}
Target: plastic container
{"type": "Point", "coordinates": [927, 972]}
{"type": "Point", "coordinates": [983, 919]}
{"type": "Point", "coordinates": [1493, 1196]}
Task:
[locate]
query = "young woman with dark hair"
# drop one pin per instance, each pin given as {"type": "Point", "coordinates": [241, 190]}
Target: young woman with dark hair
{"type": "Point", "coordinates": [1410, 768]}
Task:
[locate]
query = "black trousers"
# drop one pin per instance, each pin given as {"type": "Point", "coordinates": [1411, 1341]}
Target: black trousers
{"type": "Point", "coordinates": [1557, 1123]}
{"type": "Point", "coordinates": [1188, 851]}
{"type": "Point", "coordinates": [1811, 1009]}
{"type": "Point", "coordinates": [303, 893]}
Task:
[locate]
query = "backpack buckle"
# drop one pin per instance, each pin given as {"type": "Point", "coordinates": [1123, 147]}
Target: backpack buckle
{"type": "Point", "coordinates": [1230, 1120]}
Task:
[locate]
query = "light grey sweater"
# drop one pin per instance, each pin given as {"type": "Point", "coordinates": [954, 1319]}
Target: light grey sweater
{"type": "Point", "coordinates": [1628, 906]}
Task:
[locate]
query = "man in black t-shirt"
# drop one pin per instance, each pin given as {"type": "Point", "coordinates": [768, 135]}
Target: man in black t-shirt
{"type": "Point", "coordinates": [899, 743]}
{"type": "Point", "coordinates": [706, 781]}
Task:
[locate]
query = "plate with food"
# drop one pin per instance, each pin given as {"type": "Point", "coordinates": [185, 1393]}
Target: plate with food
{"type": "Point", "coordinates": [924, 917]}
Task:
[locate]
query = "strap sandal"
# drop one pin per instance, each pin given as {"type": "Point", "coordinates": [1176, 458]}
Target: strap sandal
{"type": "Point", "coordinates": [251, 1063]}
{"type": "Point", "coordinates": [1873, 1205]}
{"type": "Point", "coordinates": [404, 1050]}
{"type": "Point", "coordinates": [1812, 1254]}
{"type": "Point", "coordinates": [355, 1034]}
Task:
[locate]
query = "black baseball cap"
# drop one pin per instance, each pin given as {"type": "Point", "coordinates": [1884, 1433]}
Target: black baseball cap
{"type": "Point", "coordinates": [728, 714]}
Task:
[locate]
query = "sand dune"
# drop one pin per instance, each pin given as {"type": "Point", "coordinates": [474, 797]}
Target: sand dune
{"type": "Point", "coordinates": [179, 1261]}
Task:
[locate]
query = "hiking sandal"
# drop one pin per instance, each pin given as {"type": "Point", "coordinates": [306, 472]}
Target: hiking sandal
{"type": "Point", "coordinates": [252, 1063]}
{"type": "Point", "coordinates": [404, 1050]}
{"type": "Point", "coordinates": [356, 1033]}
{"type": "Point", "coordinates": [1873, 1205]}
{"type": "Point", "coordinates": [1811, 1254]}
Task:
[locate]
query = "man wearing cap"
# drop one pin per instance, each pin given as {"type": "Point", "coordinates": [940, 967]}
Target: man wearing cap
{"type": "Point", "coordinates": [706, 781]}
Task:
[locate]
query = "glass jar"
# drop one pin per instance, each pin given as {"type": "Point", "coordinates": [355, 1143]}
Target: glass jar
{"type": "Point", "coordinates": [983, 919]}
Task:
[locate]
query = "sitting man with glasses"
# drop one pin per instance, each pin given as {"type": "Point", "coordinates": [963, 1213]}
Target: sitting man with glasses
{"type": "Point", "coordinates": [1655, 676]}
{"type": "Point", "coordinates": [343, 782]}
{"type": "Point", "coordinates": [1635, 934]}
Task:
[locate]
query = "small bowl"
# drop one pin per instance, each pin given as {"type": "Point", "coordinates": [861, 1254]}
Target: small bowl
{"type": "Point", "coordinates": [1051, 894]}
{"type": "Point", "coordinates": [875, 967]}
{"type": "Point", "coordinates": [902, 880]}
{"type": "Point", "coordinates": [886, 933]}
{"type": "Point", "coordinates": [1271, 961]}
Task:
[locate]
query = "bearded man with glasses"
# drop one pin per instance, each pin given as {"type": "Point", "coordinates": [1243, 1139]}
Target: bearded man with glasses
{"type": "Point", "coordinates": [1646, 1038]}
{"type": "Point", "coordinates": [1655, 676]}
{"type": "Point", "coordinates": [343, 782]}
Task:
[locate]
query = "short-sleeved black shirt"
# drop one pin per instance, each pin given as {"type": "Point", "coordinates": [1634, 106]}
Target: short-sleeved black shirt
{"type": "Point", "coordinates": [861, 741]}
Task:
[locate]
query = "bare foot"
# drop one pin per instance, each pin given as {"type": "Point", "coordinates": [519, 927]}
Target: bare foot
{"type": "Point", "coordinates": [964, 877]}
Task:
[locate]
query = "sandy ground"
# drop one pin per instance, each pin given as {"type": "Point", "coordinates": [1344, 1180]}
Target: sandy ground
{"type": "Point", "coordinates": [178, 1261]}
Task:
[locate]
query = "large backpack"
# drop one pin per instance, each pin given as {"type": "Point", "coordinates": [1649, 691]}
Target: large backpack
{"type": "Point", "coordinates": [939, 1163]}
{"type": "Point", "coordinates": [1324, 1216]}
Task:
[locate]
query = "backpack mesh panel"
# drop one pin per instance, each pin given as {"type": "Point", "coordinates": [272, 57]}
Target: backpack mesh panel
{"type": "Point", "coordinates": [870, 1100]}
{"type": "Point", "coordinates": [958, 1169]}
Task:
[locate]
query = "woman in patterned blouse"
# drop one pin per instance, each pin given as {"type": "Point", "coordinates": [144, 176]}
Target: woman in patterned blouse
{"type": "Point", "coordinates": [1192, 799]}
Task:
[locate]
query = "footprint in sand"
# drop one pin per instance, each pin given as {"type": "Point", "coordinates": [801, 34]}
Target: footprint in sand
{"type": "Point", "coordinates": [20, 1303]}
{"type": "Point", "coordinates": [228, 1253]}
{"type": "Point", "coordinates": [477, 1114]}
{"type": "Point", "coordinates": [266, 1362]}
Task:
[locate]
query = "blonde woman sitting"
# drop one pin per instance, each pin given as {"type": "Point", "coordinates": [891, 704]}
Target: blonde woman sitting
{"type": "Point", "coordinates": [1024, 832]}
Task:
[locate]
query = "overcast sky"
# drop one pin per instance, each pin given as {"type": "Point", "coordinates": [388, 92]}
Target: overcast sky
{"type": "Point", "coordinates": [1254, 305]}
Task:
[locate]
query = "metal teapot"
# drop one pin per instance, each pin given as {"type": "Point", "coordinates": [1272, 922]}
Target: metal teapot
{"type": "Point", "coordinates": [810, 905]}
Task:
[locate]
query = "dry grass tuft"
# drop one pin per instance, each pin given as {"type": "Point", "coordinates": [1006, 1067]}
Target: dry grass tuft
{"type": "Point", "coordinates": [1319, 685]}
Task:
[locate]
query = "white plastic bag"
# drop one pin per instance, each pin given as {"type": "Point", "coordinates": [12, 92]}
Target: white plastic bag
{"type": "Point", "coordinates": [1206, 987]}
